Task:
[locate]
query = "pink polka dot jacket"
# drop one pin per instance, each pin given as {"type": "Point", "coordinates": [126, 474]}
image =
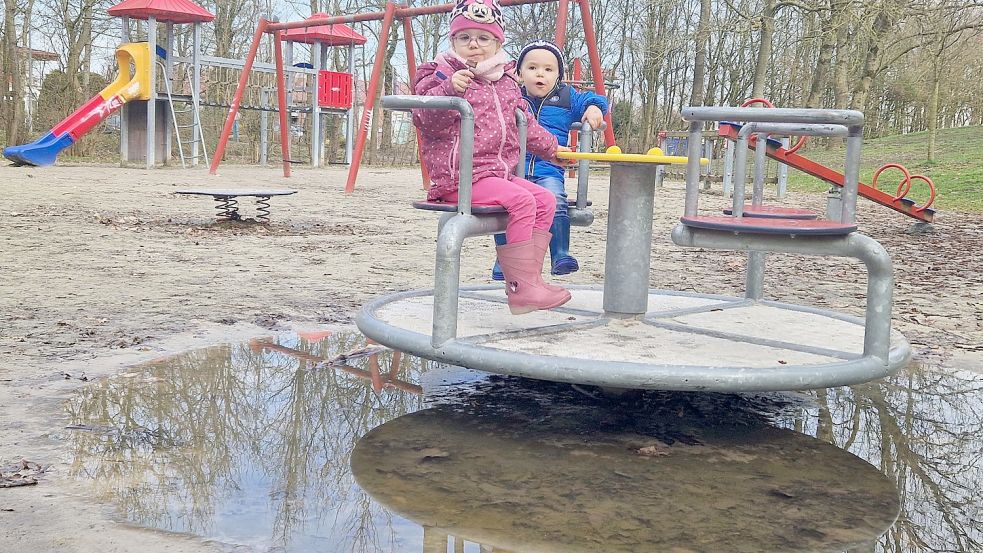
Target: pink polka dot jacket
{"type": "Point", "coordinates": [496, 133]}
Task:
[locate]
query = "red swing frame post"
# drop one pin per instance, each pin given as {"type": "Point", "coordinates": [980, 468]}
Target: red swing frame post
{"type": "Point", "coordinates": [411, 72]}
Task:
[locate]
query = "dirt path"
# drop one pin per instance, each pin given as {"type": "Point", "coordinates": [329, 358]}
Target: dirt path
{"type": "Point", "coordinates": [103, 267]}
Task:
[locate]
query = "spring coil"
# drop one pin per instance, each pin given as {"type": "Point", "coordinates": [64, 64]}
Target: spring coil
{"type": "Point", "coordinates": [263, 209]}
{"type": "Point", "coordinates": [228, 207]}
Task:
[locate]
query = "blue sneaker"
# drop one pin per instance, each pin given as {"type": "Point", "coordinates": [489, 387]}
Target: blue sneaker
{"type": "Point", "coordinates": [565, 265]}
{"type": "Point", "coordinates": [497, 269]}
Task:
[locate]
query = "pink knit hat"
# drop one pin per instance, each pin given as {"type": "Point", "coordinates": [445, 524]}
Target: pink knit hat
{"type": "Point", "coordinates": [484, 15]}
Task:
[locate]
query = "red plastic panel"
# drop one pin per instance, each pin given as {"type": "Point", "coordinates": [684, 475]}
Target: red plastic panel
{"type": "Point", "coordinates": [334, 89]}
{"type": "Point", "coordinates": [82, 113]}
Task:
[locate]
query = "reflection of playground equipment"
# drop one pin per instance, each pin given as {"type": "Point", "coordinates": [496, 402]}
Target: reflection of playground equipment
{"type": "Point", "coordinates": [375, 375]}
{"type": "Point", "coordinates": [626, 335]}
{"type": "Point", "coordinates": [392, 13]}
{"type": "Point", "coordinates": [485, 475]}
{"type": "Point", "coordinates": [123, 89]}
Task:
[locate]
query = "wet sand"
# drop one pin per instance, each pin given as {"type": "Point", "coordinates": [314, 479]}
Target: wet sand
{"type": "Point", "coordinates": [103, 267]}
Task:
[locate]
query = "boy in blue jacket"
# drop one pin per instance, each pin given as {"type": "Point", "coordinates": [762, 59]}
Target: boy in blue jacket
{"type": "Point", "coordinates": [557, 106]}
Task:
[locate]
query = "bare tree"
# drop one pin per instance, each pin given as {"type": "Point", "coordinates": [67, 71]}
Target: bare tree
{"type": "Point", "coordinates": [700, 65]}
{"type": "Point", "coordinates": [11, 74]}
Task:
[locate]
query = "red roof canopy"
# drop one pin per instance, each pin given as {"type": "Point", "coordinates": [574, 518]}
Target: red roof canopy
{"type": "Point", "coordinates": [37, 55]}
{"type": "Point", "coordinates": [166, 11]}
{"type": "Point", "coordinates": [332, 35]}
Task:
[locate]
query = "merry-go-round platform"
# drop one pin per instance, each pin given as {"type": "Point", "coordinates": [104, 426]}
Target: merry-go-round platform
{"type": "Point", "coordinates": [622, 334]}
{"type": "Point", "coordinates": [685, 341]}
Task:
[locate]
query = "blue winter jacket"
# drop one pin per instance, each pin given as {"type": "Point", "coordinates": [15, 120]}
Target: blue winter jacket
{"type": "Point", "coordinates": [564, 107]}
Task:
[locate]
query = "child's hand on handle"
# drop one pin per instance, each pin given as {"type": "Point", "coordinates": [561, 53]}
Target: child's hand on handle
{"type": "Point", "coordinates": [461, 80]}
{"type": "Point", "coordinates": [594, 116]}
{"type": "Point", "coordinates": [559, 161]}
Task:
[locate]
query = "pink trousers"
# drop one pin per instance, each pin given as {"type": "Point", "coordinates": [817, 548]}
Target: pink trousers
{"type": "Point", "coordinates": [529, 205]}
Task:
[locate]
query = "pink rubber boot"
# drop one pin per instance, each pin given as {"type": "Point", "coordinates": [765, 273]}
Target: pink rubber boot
{"type": "Point", "coordinates": [522, 265]}
{"type": "Point", "coordinates": [541, 239]}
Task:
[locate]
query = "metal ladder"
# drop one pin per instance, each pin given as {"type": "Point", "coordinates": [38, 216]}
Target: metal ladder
{"type": "Point", "coordinates": [197, 135]}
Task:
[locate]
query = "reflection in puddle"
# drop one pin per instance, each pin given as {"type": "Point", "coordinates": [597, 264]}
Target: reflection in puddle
{"type": "Point", "coordinates": [244, 444]}
{"type": "Point", "coordinates": [251, 445]}
{"type": "Point", "coordinates": [639, 480]}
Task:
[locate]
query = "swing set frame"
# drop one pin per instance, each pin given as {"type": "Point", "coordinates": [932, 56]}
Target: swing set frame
{"type": "Point", "coordinates": [389, 17]}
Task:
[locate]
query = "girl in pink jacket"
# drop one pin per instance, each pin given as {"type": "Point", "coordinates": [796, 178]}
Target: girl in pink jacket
{"type": "Point", "coordinates": [477, 69]}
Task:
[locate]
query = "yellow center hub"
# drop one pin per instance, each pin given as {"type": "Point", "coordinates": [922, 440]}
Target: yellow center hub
{"type": "Point", "coordinates": [654, 155]}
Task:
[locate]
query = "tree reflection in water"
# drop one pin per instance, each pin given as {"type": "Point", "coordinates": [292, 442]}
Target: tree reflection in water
{"type": "Point", "coordinates": [250, 444]}
{"type": "Point", "coordinates": [245, 443]}
{"type": "Point", "coordinates": [923, 428]}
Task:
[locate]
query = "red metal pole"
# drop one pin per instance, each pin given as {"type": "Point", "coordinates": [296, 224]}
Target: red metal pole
{"type": "Point", "coordinates": [411, 69]}
{"type": "Point", "coordinates": [595, 64]}
{"type": "Point", "coordinates": [234, 107]}
{"type": "Point", "coordinates": [317, 21]}
{"type": "Point", "coordinates": [281, 99]}
{"type": "Point", "coordinates": [578, 71]}
{"type": "Point", "coordinates": [370, 96]}
{"type": "Point", "coordinates": [373, 16]}
{"type": "Point", "coordinates": [562, 9]}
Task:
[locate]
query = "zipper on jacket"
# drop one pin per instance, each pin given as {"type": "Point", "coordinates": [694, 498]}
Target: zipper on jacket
{"type": "Point", "coordinates": [501, 122]}
{"type": "Point", "coordinates": [454, 154]}
{"type": "Point", "coordinates": [532, 161]}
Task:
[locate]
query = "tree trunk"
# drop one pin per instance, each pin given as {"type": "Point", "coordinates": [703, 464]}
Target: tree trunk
{"type": "Point", "coordinates": [841, 70]}
{"type": "Point", "coordinates": [883, 23]}
{"type": "Point", "coordinates": [700, 64]}
{"type": "Point", "coordinates": [12, 70]}
{"type": "Point", "coordinates": [933, 113]}
{"type": "Point", "coordinates": [767, 37]}
{"type": "Point", "coordinates": [825, 57]}
{"type": "Point", "coordinates": [27, 86]}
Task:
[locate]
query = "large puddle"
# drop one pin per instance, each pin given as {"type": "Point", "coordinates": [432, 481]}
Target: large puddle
{"type": "Point", "coordinates": [324, 443]}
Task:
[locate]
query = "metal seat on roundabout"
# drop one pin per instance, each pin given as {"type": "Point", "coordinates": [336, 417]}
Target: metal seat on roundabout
{"type": "Point", "coordinates": [625, 335]}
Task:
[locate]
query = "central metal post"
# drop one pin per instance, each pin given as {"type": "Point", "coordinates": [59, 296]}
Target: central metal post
{"type": "Point", "coordinates": [629, 239]}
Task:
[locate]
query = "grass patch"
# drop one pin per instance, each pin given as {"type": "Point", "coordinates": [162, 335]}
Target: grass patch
{"type": "Point", "coordinates": [957, 170]}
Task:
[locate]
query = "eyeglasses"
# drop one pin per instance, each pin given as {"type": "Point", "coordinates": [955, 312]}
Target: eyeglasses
{"type": "Point", "coordinates": [463, 39]}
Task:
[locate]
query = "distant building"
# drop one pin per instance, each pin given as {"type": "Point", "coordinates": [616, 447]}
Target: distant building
{"type": "Point", "coordinates": [402, 121]}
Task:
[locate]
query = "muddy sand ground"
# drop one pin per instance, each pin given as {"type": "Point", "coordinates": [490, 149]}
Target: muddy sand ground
{"type": "Point", "coordinates": [103, 267]}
